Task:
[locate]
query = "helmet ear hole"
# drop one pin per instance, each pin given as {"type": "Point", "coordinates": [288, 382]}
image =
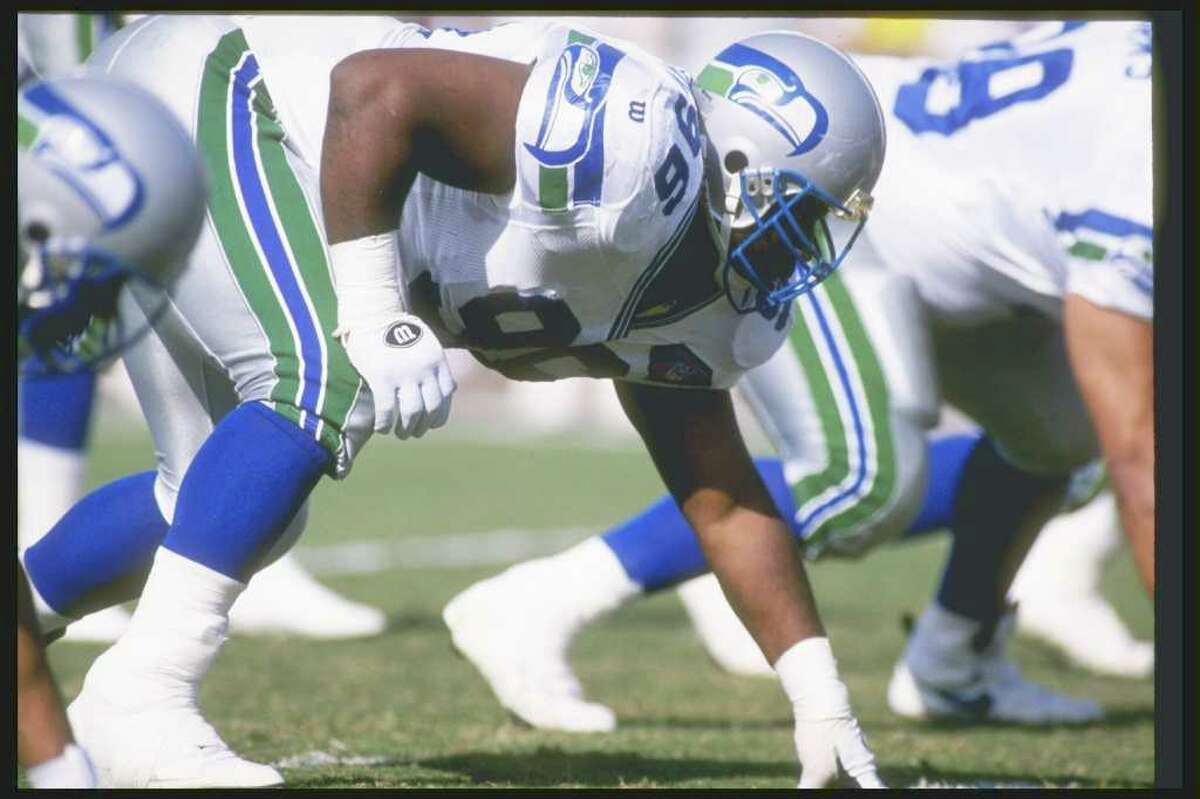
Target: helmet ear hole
{"type": "Point", "coordinates": [36, 231]}
{"type": "Point", "coordinates": [735, 161]}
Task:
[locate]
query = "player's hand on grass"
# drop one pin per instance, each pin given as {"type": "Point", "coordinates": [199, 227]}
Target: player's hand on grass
{"type": "Point", "coordinates": [825, 744]}
{"type": "Point", "coordinates": [829, 742]}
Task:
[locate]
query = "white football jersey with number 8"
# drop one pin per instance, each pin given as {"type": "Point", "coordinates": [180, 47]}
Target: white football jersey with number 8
{"type": "Point", "coordinates": [1026, 166]}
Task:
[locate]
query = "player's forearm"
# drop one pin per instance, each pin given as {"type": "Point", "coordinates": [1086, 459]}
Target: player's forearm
{"type": "Point", "coordinates": [42, 729]}
{"type": "Point", "coordinates": [1112, 355]}
{"type": "Point", "coordinates": [1132, 479]}
{"type": "Point", "coordinates": [759, 566]}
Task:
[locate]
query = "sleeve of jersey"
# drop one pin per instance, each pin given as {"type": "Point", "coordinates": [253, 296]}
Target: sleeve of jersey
{"type": "Point", "coordinates": [594, 129]}
{"type": "Point", "coordinates": [1109, 260]}
{"type": "Point", "coordinates": [1108, 236]}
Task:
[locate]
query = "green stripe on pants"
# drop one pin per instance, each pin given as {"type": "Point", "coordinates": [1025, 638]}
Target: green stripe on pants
{"type": "Point", "coordinates": [850, 489]}
{"type": "Point", "coordinates": [296, 227]}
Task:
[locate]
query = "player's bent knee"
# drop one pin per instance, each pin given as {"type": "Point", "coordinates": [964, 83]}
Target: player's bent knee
{"type": "Point", "coordinates": [1052, 455]}
{"type": "Point", "coordinates": [878, 506]}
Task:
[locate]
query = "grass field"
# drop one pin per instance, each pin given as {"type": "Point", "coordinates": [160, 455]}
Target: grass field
{"type": "Point", "coordinates": [402, 711]}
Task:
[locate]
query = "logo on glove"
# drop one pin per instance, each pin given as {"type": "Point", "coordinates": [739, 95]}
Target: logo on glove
{"type": "Point", "coordinates": [402, 334]}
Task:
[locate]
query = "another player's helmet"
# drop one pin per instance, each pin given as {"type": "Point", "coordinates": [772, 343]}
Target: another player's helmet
{"type": "Point", "coordinates": [110, 190]}
{"type": "Point", "coordinates": [799, 139]}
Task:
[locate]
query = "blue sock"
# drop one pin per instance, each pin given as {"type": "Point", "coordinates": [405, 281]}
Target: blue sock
{"type": "Point", "coordinates": [658, 549]}
{"type": "Point", "coordinates": [245, 484]}
{"type": "Point", "coordinates": [55, 408]}
{"type": "Point", "coordinates": [106, 543]}
{"type": "Point", "coordinates": [994, 499]}
{"type": "Point", "coordinates": [947, 457]}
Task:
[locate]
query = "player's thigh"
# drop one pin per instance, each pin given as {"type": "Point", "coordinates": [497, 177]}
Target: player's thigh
{"type": "Point", "coordinates": [1013, 377]}
{"type": "Point", "coordinates": [180, 392]}
{"type": "Point", "coordinates": [847, 403]}
{"type": "Point", "coordinates": [257, 294]}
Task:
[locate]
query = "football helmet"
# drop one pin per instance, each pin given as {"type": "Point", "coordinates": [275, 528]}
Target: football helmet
{"type": "Point", "coordinates": [799, 140]}
{"type": "Point", "coordinates": [110, 191]}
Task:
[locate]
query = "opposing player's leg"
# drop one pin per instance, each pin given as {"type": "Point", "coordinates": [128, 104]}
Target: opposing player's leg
{"type": "Point", "coordinates": [1011, 377]}
{"type": "Point", "coordinates": [851, 436]}
{"type": "Point", "coordinates": [247, 330]}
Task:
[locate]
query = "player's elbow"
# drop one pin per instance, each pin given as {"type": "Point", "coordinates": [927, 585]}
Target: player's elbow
{"type": "Point", "coordinates": [360, 88]}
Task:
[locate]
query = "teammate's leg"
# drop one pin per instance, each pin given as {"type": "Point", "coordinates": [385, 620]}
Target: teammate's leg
{"type": "Point", "coordinates": [248, 319]}
{"type": "Point", "coordinates": [1011, 377]}
{"type": "Point", "coordinates": [1058, 598]}
{"type": "Point", "coordinates": [53, 422]}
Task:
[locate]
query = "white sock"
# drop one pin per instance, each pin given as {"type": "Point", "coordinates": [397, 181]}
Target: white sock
{"type": "Point", "coordinates": [50, 480]}
{"type": "Point", "coordinates": [180, 621]}
{"type": "Point", "coordinates": [71, 769]}
{"type": "Point", "coordinates": [589, 580]}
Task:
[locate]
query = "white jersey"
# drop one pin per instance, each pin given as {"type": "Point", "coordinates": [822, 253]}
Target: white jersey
{"type": "Point", "coordinates": [566, 275]}
{"type": "Point", "coordinates": [1025, 167]}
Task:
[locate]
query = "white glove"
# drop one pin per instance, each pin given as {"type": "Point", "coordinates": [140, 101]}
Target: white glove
{"type": "Point", "coordinates": [827, 734]}
{"type": "Point", "coordinates": [395, 352]}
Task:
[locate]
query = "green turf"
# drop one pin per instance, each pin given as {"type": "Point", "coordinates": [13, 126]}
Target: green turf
{"type": "Point", "coordinates": [403, 711]}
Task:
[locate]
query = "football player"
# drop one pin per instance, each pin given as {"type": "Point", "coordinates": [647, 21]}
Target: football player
{"type": "Point", "coordinates": [56, 410]}
{"type": "Point", "coordinates": [1013, 275]}
{"type": "Point", "coordinates": [92, 218]}
{"type": "Point", "coordinates": [547, 198]}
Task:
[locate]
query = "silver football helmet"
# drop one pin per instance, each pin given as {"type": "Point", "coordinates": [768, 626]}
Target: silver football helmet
{"type": "Point", "coordinates": [799, 139]}
{"type": "Point", "coordinates": [110, 190]}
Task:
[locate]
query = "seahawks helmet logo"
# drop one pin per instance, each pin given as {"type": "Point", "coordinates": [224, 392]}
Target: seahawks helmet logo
{"type": "Point", "coordinates": [770, 89]}
{"type": "Point", "coordinates": [576, 96]}
{"type": "Point", "coordinates": [77, 150]}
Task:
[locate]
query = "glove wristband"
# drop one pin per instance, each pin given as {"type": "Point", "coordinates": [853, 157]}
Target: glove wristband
{"type": "Point", "coordinates": [366, 278]}
{"type": "Point", "coordinates": [810, 679]}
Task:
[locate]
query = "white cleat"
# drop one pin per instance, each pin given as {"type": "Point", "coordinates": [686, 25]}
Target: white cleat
{"type": "Point", "coordinates": [1057, 591]}
{"type": "Point", "coordinates": [942, 676]}
{"type": "Point", "coordinates": [284, 599]}
{"type": "Point", "coordinates": [1088, 631]}
{"type": "Point", "coordinates": [101, 627]}
{"type": "Point", "coordinates": [165, 743]}
{"type": "Point", "coordinates": [722, 633]}
{"type": "Point", "coordinates": [517, 637]}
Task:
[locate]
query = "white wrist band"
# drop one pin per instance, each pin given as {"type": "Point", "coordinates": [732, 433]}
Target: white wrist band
{"type": "Point", "coordinates": [366, 276]}
{"type": "Point", "coordinates": [810, 679]}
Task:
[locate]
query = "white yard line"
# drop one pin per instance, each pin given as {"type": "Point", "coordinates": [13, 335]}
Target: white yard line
{"type": "Point", "coordinates": [453, 549]}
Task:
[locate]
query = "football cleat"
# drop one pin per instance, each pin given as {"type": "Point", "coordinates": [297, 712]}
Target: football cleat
{"type": "Point", "coordinates": [1058, 594]}
{"type": "Point", "coordinates": [513, 632]}
{"type": "Point", "coordinates": [138, 742]}
{"type": "Point", "coordinates": [283, 599]}
{"type": "Point", "coordinates": [722, 633]}
{"type": "Point", "coordinates": [1088, 631]}
{"type": "Point", "coordinates": [945, 673]}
